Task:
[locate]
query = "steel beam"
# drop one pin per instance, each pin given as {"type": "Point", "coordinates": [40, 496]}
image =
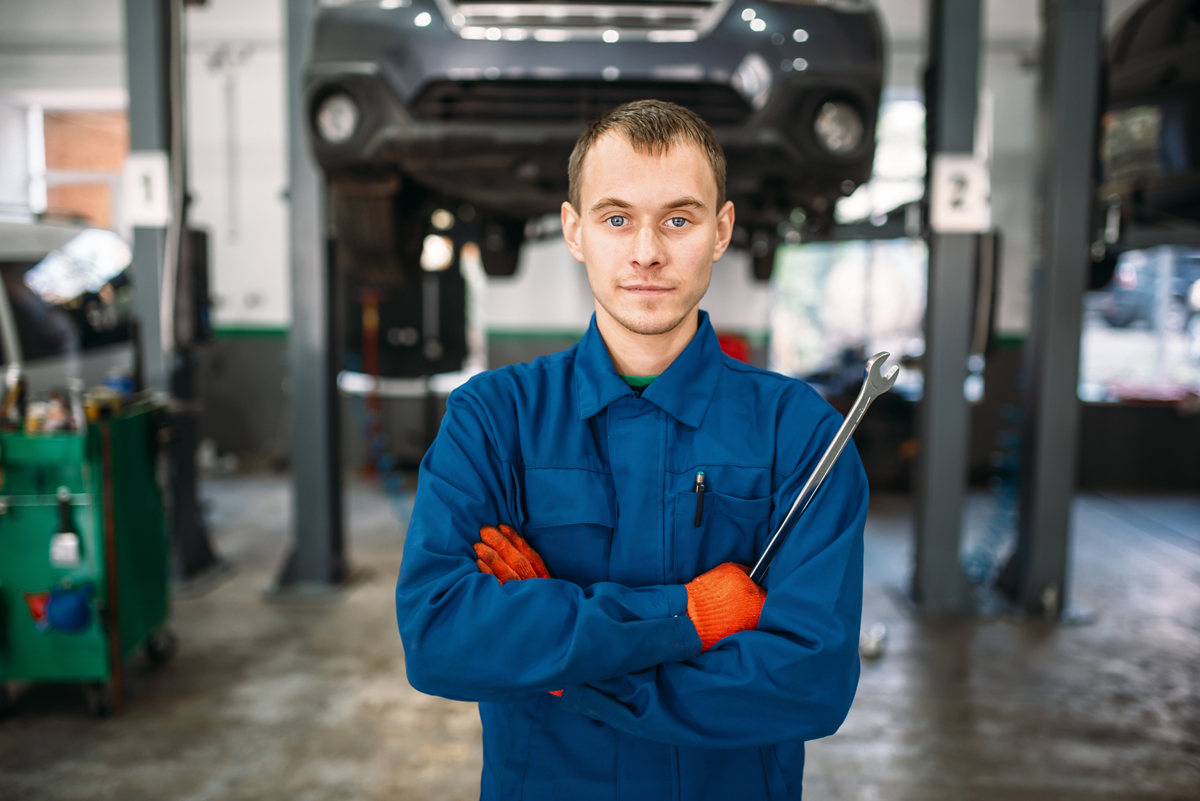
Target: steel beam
{"type": "Point", "coordinates": [951, 94]}
{"type": "Point", "coordinates": [1069, 104]}
{"type": "Point", "coordinates": [316, 563]}
{"type": "Point", "coordinates": [146, 40]}
{"type": "Point", "coordinates": [154, 60]}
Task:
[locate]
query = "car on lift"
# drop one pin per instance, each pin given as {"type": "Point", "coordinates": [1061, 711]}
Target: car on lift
{"type": "Point", "coordinates": [432, 115]}
{"type": "Point", "coordinates": [421, 104]}
{"type": "Point", "coordinates": [1149, 148]}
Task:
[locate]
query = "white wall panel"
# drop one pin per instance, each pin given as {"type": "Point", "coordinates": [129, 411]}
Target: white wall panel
{"type": "Point", "coordinates": [237, 158]}
{"type": "Point", "coordinates": [14, 170]}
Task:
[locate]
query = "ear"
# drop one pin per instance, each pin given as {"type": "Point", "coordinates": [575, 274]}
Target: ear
{"type": "Point", "coordinates": [724, 230]}
{"type": "Point", "coordinates": [572, 229]}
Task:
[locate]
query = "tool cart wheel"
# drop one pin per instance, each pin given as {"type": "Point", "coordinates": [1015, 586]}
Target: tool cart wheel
{"type": "Point", "coordinates": [161, 647]}
{"type": "Point", "coordinates": [98, 696]}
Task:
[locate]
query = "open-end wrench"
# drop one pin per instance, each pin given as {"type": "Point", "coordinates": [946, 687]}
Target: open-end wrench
{"type": "Point", "coordinates": [875, 385]}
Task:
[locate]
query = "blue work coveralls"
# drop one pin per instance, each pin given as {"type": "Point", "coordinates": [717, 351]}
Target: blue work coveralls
{"type": "Point", "coordinates": [600, 482]}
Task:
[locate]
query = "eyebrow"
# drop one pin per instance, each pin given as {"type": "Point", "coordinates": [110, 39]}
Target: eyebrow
{"type": "Point", "coordinates": [686, 203]}
{"type": "Point", "coordinates": [616, 202]}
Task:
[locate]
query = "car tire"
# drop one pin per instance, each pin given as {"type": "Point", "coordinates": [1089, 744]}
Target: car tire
{"type": "Point", "coordinates": [762, 266]}
{"type": "Point", "coordinates": [500, 247]}
{"type": "Point", "coordinates": [763, 246]}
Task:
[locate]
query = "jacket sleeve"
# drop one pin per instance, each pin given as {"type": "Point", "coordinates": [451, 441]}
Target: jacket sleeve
{"type": "Point", "coordinates": [795, 676]}
{"type": "Point", "coordinates": [468, 637]}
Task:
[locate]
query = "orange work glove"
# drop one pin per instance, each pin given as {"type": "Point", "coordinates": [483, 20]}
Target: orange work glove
{"type": "Point", "coordinates": [724, 601]}
{"type": "Point", "coordinates": [505, 554]}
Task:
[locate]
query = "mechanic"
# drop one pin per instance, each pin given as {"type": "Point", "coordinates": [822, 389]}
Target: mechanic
{"type": "Point", "coordinates": [608, 628]}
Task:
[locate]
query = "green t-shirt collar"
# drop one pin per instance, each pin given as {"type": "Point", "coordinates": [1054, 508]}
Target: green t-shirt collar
{"type": "Point", "coordinates": [638, 381]}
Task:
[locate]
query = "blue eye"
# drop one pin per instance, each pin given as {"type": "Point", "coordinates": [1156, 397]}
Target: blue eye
{"type": "Point", "coordinates": [616, 221]}
{"type": "Point", "coordinates": [678, 222]}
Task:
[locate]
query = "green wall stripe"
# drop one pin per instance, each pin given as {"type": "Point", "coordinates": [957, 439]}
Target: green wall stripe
{"type": "Point", "coordinates": [230, 332]}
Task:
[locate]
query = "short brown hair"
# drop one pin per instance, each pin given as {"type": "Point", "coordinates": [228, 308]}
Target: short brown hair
{"type": "Point", "coordinates": [651, 126]}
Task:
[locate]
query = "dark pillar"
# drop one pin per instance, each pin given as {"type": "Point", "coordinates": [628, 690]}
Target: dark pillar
{"type": "Point", "coordinates": [316, 562]}
{"type": "Point", "coordinates": [154, 61]}
{"type": "Point", "coordinates": [146, 54]}
{"type": "Point", "coordinates": [952, 89]}
{"type": "Point", "coordinates": [1037, 576]}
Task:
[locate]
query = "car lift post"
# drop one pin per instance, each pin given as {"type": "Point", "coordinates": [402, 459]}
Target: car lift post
{"type": "Point", "coordinates": [154, 64]}
{"type": "Point", "coordinates": [149, 130]}
{"type": "Point", "coordinates": [316, 563]}
{"type": "Point", "coordinates": [939, 585]}
{"type": "Point", "coordinates": [1036, 576]}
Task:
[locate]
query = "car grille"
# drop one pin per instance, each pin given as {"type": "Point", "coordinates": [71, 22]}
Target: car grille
{"type": "Point", "coordinates": [564, 20]}
{"type": "Point", "coordinates": [569, 100]}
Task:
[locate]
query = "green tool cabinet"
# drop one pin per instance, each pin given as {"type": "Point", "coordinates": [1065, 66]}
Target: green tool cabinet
{"type": "Point", "coordinates": [105, 483]}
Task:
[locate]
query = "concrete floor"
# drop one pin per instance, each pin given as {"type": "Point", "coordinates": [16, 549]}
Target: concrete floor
{"type": "Point", "coordinates": [278, 701]}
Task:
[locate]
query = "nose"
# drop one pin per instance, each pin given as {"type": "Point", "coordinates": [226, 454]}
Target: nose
{"type": "Point", "coordinates": [647, 250]}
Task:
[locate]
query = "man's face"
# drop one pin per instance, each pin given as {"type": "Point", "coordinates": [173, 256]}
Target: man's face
{"type": "Point", "coordinates": [648, 230]}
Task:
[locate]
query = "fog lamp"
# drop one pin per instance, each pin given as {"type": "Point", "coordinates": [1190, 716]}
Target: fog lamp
{"type": "Point", "coordinates": [337, 118]}
{"type": "Point", "coordinates": [839, 127]}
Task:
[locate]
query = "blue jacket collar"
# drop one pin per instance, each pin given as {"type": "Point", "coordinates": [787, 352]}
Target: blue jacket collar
{"type": "Point", "coordinates": [683, 390]}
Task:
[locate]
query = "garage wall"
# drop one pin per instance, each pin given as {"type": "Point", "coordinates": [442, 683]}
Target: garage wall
{"type": "Point", "coordinates": [237, 158]}
{"type": "Point", "coordinates": [60, 44]}
{"type": "Point", "coordinates": [14, 177]}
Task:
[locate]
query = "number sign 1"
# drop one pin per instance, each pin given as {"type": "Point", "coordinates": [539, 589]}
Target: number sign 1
{"type": "Point", "coordinates": [146, 190]}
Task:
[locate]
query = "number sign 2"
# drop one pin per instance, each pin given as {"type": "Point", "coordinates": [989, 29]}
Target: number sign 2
{"type": "Point", "coordinates": [960, 202]}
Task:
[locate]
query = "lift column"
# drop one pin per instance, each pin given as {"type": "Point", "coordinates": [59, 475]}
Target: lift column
{"type": "Point", "coordinates": [1037, 575]}
{"type": "Point", "coordinates": [154, 62]}
{"type": "Point", "coordinates": [316, 563]}
{"type": "Point", "coordinates": [951, 94]}
{"type": "Point", "coordinates": [147, 38]}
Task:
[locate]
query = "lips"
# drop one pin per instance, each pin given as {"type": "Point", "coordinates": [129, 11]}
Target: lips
{"type": "Point", "coordinates": [647, 289]}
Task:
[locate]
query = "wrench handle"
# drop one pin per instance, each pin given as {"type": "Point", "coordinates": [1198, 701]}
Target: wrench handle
{"type": "Point", "coordinates": [865, 397]}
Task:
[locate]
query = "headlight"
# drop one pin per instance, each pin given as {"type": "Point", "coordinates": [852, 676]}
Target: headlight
{"type": "Point", "coordinates": [839, 127]}
{"type": "Point", "coordinates": [337, 118]}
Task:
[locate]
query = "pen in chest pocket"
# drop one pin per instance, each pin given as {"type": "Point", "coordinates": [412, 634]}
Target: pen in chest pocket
{"type": "Point", "coordinates": [698, 488]}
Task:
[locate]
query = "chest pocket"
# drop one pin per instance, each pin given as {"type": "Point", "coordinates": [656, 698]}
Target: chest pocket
{"type": "Point", "coordinates": [731, 530]}
{"type": "Point", "coordinates": [568, 517]}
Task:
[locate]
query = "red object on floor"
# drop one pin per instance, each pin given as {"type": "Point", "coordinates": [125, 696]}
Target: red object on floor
{"type": "Point", "coordinates": [735, 346]}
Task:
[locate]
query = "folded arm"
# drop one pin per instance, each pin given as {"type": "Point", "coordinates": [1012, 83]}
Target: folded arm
{"type": "Point", "coordinates": [469, 637]}
{"type": "Point", "coordinates": [792, 679]}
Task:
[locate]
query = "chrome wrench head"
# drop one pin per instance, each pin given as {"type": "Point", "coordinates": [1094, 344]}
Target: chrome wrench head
{"type": "Point", "coordinates": [877, 381]}
{"type": "Point", "coordinates": [875, 384]}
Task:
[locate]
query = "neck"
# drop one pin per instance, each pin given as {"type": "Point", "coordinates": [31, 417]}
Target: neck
{"type": "Point", "coordinates": [644, 354]}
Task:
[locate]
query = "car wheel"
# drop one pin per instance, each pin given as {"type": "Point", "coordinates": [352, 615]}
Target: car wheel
{"type": "Point", "coordinates": [500, 247]}
{"type": "Point", "coordinates": [762, 254]}
{"type": "Point", "coordinates": [763, 266]}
